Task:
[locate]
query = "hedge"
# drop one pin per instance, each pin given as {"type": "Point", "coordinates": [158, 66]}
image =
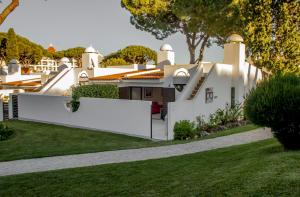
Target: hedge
{"type": "Point", "coordinates": [94, 91]}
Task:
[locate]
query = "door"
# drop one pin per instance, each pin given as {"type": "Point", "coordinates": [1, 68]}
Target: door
{"type": "Point", "coordinates": [124, 93]}
{"type": "Point", "coordinates": [136, 93]}
{"type": "Point", "coordinates": [168, 96]}
{"type": "Point", "coordinates": [5, 111]}
{"type": "Point", "coordinates": [15, 109]}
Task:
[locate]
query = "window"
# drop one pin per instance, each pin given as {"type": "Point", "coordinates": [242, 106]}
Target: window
{"type": "Point", "coordinates": [232, 96]}
{"type": "Point", "coordinates": [148, 92]}
{"type": "Point", "coordinates": [209, 95]}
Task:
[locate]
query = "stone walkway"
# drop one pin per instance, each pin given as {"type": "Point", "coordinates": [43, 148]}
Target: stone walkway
{"type": "Point", "coordinates": [92, 159]}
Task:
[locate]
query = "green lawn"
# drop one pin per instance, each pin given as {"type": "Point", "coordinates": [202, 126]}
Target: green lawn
{"type": "Point", "coordinates": [40, 140]}
{"type": "Point", "coordinates": [257, 169]}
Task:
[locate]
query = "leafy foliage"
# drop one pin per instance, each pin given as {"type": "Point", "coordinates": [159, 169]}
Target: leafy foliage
{"type": "Point", "coordinates": [275, 103]}
{"type": "Point", "coordinates": [184, 129]}
{"type": "Point", "coordinates": [75, 53]}
{"type": "Point", "coordinates": [230, 116]}
{"type": "Point", "coordinates": [198, 21]}
{"type": "Point", "coordinates": [215, 19]}
{"type": "Point", "coordinates": [27, 52]}
{"type": "Point", "coordinates": [138, 54]}
{"type": "Point", "coordinates": [271, 31]}
{"type": "Point", "coordinates": [94, 91]}
{"type": "Point", "coordinates": [114, 61]}
{"type": "Point", "coordinates": [157, 18]}
{"type": "Point", "coordinates": [226, 115]}
{"type": "Point", "coordinates": [5, 132]}
{"type": "Point", "coordinates": [12, 48]}
{"type": "Point", "coordinates": [133, 54]}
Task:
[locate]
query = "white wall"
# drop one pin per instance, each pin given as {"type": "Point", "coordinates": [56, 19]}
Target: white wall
{"type": "Point", "coordinates": [60, 83]}
{"type": "Point", "coordinates": [111, 71]}
{"type": "Point", "coordinates": [219, 78]}
{"type": "Point", "coordinates": [17, 77]}
{"type": "Point", "coordinates": [114, 115]}
{"type": "Point", "coordinates": [252, 75]}
{"type": "Point", "coordinates": [165, 58]}
{"type": "Point", "coordinates": [6, 92]}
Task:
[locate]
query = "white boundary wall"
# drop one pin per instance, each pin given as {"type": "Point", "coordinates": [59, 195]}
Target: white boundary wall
{"type": "Point", "coordinates": [219, 78]}
{"type": "Point", "coordinates": [120, 116]}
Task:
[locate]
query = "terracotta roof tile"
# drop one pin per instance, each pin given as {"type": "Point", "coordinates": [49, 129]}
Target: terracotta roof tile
{"type": "Point", "coordinates": [31, 82]}
{"type": "Point", "coordinates": [140, 74]}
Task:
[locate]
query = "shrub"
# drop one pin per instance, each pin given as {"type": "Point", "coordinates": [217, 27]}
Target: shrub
{"type": "Point", "coordinates": [275, 103]}
{"type": "Point", "coordinates": [202, 127]}
{"type": "Point", "coordinates": [94, 91]}
{"type": "Point", "coordinates": [114, 62]}
{"type": "Point", "coordinates": [184, 129]}
{"type": "Point", "coordinates": [5, 132]}
{"type": "Point", "coordinates": [222, 119]}
{"type": "Point", "coordinates": [227, 115]}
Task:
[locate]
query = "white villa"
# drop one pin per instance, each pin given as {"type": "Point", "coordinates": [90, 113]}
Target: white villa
{"type": "Point", "coordinates": [155, 96]}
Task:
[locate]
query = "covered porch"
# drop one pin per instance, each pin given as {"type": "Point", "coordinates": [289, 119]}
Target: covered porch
{"type": "Point", "coordinates": [159, 96]}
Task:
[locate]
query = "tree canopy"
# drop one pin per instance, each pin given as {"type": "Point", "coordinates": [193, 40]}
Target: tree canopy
{"type": "Point", "coordinates": [198, 21]}
{"type": "Point", "coordinates": [17, 47]}
{"type": "Point", "coordinates": [272, 35]}
{"type": "Point", "coordinates": [12, 48]}
{"type": "Point", "coordinates": [75, 53]}
{"type": "Point", "coordinates": [133, 54]}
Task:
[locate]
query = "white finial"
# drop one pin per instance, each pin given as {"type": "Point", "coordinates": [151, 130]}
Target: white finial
{"type": "Point", "coordinates": [166, 47]}
{"type": "Point", "coordinates": [235, 38]}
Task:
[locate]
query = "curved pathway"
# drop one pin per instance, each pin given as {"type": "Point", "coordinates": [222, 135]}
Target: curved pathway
{"type": "Point", "coordinates": [92, 159]}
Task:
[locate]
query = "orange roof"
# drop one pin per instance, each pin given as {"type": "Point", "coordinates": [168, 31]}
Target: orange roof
{"type": "Point", "coordinates": [140, 74]}
{"type": "Point", "coordinates": [156, 75]}
{"type": "Point", "coordinates": [32, 83]}
{"type": "Point", "coordinates": [51, 49]}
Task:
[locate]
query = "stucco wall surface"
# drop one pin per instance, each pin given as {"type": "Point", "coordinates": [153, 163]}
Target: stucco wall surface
{"type": "Point", "coordinates": [120, 116]}
{"type": "Point", "coordinates": [219, 79]}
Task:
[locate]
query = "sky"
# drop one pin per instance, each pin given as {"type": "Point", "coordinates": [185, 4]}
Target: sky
{"type": "Point", "coordinates": [104, 24]}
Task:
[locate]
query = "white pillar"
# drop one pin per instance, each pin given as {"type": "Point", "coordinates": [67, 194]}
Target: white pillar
{"type": "Point", "coordinates": [165, 56]}
{"type": "Point", "coordinates": [234, 54]}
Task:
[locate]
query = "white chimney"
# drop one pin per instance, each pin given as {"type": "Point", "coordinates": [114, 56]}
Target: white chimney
{"type": "Point", "coordinates": [234, 54]}
{"type": "Point", "coordinates": [165, 56]}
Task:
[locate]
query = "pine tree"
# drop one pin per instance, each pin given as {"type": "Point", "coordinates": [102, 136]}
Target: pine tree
{"type": "Point", "coordinates": [12, 49]}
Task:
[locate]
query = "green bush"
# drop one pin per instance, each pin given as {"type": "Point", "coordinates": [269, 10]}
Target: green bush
{"type": "Point", "coordinates": [227, 115]}
{"type": "Point", "coordinates": [5, 132]}
{"type": "Point", "coordinates": [275, 103]}
{"type": "Point", "coordinates": [184, 129]}
{"type": "Point", "coordinates": [114, 62]}
{"type": "Point", "coordinates": [94, 91]}
{"type": "Point", "coordinates": [133, 54]}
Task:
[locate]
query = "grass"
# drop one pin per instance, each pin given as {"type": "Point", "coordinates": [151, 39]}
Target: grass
{"type": "Point", "coordinates": [257, 169]}
{"type": "Point", "coordinates": [40, 140]}
{"type": "Point", "coordinates": [33, 140]}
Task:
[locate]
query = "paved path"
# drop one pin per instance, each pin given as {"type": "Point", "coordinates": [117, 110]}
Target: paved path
{"type": "Point", "coordinates": [92, 159]}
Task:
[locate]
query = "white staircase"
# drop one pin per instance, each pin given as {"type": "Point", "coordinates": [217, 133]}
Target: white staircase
{"type": "Point", "coordinates": [193, 85]}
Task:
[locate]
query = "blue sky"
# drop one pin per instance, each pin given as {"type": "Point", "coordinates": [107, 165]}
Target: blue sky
{"type": "Point", "coordinates": [102, 23]}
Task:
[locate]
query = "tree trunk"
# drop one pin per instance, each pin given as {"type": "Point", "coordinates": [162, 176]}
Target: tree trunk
{"type": "Point", "coordinates": [9, 9]}
{"type": "Point", "coordinates": [192, 45]}
{"type": "Point", "coordinates": [202, 48]}
{"type": "Point", "coordinates": [192, 51]}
